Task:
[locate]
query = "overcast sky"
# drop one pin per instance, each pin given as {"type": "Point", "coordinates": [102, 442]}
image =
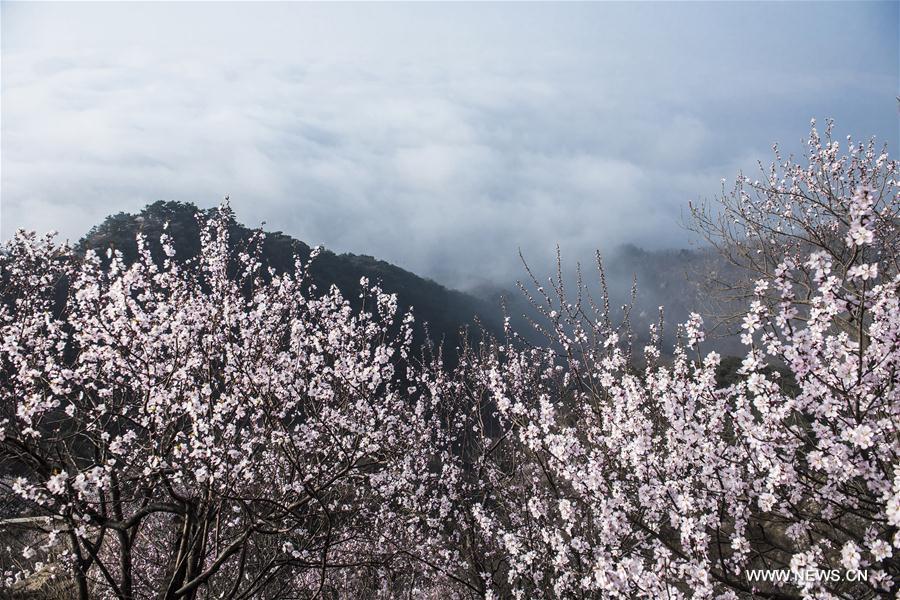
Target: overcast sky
{"type": "Point", "coordinates": [440, 137]}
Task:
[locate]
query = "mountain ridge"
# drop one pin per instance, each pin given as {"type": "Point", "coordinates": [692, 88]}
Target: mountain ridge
{"type": "Point", "coordinates": [446, 312]}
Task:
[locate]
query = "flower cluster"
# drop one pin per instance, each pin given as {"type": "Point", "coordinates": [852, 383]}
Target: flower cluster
{"type": "Point", "coordinates": [599, 477]}
{"type": "Point", "coordinates": [195, 424]}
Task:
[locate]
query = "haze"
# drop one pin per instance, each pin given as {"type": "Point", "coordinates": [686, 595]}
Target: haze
{"type": "Point", "coordinates": [440, 137]}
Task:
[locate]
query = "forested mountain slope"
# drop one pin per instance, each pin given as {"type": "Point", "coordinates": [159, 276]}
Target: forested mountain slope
{"type": "Point", "coordinates": [445, 311]}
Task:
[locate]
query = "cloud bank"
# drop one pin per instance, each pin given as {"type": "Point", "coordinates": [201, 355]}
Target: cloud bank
{"type": "Point", "coordinates": [439, 137]}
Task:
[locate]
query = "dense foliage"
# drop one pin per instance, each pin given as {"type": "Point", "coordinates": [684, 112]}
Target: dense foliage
{"type": "Point", "coordinates": [213, 428]}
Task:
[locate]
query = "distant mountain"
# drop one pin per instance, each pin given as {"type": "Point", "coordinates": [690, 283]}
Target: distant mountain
{"type": "Point", "coordinates": [671, 278]}
{"type": "Point", "coordinates": [445, 311]}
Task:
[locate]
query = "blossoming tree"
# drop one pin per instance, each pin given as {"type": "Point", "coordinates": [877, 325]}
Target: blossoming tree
{"type": "Point", "coordinates": [208, 425]}
{"type": "Point", "coordinates": [656, 481]}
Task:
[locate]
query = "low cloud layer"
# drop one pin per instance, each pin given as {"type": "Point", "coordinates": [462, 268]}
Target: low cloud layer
{"type": "Point", "coordinates": [438, 137]}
